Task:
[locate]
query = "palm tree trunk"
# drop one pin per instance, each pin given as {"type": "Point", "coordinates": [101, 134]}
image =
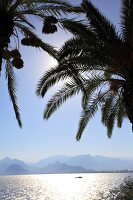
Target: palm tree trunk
{"type": "Point", "coordinates": [1, 54]}
{"type": "Point", "coordinates": [2, 43]}
{"type": "Point", "coordinates": [128, 100]}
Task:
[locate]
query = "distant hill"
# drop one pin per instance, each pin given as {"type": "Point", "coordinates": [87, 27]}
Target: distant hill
{"type": "Point", "coordinates": [15, 166]}
{"type": "Point", "coordinates": [97, 163]}
{"type": "Point", "coordinates": [85, 161]}
{"type": "Point", "coordinates": [6, 162]}
{"type": "Point", "coordinates": [15, 169]}
{"type": "Point", "coordinates": [108, 163]}
{"type": "Point", "coordinates": [64, 164]}
{"type": "Point", "coordinates": [57, 167]}
{"type": "Point", "coordinates": [44, 162]}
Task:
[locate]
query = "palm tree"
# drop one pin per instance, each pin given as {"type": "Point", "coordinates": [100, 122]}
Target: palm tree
{"type": "Point", "coordinates": [16, 20]}
{"type": "Point", "coordinates": [98, 63]}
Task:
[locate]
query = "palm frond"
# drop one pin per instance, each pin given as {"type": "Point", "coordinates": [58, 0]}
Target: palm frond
{"type": "Point", "coordinates": [12, 90]}
{"type": "Point", "coordinates": [99, 24]}
{"type": "Point", "coordinates": [59, 73]}
{"type": "Point", "coordinates": [15, 5]}
{"type": "Point", "coordinates": [121, 114]}
{"type": "Point", "coordinates": [87, 114]}
{"type": "Point", "coordinates": [105, 108]}
{"type": "Point", "coordinates": [92, 85]}
{"type": "Point", "coordinates": [57, 8]}
{"type": "Point", "coordinates": [66, 6]}
{"type": "Point", "coordinates": [36, 41]}
{"type": "Point", "coordinates": [23, 19]}
{"type": "Point", "coordinates": [78, 78]}
{"type": "Point", "coordinates": [77, 28]}
{"type": "Point", "coordinates": [98, 61]}
{"type": "Point", "coordinates": [51, 77]}
{"type": "Point", "coordinates": [16, 19]}
{"type": "Point", "coordinates": [60, 10]}
{"type": "Point", "coordinates": [69, 90]}
{"type": "Point", "coordinates": [111, 117]}
{"type": "Point", "coordinates": [49, 49]}
{"type": "Point", "coordinates": [127, 21]}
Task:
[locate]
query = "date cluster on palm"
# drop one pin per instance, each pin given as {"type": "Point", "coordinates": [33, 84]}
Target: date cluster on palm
{"type": "Point", "coordinates": [49, 25]}
{"type": "Point", "coordinates": [31, 41]}
{"type": "Point", "coordinates": [14, 56]}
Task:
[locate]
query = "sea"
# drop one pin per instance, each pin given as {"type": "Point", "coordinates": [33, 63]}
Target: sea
{"type": "Point", "coordinates": [86, 186]}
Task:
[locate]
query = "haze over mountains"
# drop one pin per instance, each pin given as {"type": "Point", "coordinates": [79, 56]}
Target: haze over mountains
{"type": "Point", "coordinates": [64, 164]}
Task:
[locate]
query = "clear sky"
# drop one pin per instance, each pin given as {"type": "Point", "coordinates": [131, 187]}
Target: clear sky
{"type": "Point", "coordinates": [38, 138]}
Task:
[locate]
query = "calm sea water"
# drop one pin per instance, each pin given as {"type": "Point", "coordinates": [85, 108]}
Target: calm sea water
{"type": "Point", "coordinates": [57, 186]}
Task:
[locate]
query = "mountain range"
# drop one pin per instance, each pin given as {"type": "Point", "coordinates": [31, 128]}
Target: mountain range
{"type": "Point", "coordinates": [65, 164]}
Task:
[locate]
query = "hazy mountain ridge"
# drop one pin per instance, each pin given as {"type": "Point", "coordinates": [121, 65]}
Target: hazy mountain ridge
{"type": "Point", "coordinates": [15, 169]}
{"type": "Point", "coordinates": [98, 163]}
{"type": "Point", "coordinates": [64, 164]}
{"type": "Point", "coordinates": [57, 167]}
{"type": "Point", "coordinates": [46, 161]}
{"type": "Point", "coordinates": [6, 162]}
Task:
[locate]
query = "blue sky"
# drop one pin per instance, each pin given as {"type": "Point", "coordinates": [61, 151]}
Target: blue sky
{"type": "Point", "coordinates": [38, 138]}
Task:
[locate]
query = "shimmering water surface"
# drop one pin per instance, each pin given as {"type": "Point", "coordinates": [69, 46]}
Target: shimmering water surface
{"type": "Point", "coordinates": [57, 186]}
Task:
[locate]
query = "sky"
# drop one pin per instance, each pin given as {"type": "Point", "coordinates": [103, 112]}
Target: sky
{"type": "Point", "coordinates": [40, 139]}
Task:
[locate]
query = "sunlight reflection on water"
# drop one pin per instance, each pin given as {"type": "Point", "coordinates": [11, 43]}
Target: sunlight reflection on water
{"type": "Point", "coordinates": [57, 186]}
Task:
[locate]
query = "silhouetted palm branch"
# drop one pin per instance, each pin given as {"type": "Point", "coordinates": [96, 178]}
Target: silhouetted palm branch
{"type": "Point", "coordinates": [12, 87]}
{"type": "Point", "coordinates": [102, 59]}
{"type": "Point", "coordinates": [16, 21]}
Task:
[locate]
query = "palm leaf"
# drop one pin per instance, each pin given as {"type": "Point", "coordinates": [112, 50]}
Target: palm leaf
{"type": "Point", "coordinates": [12, 90]}
{"type": "Point", "coordinates": [59, 73]}
{"type": "Point", "coordinates": [99, 24]}
{"type": "Point", "coordinates": [36, 41]}
{"type": "Point", "coordinates": [92, 85]}
{"type": "Point", "coordinates": [77, 28]}
{"type": "Point", "coordinates": [112, 116]}
{"type": "Point", "coordinates": [127, 21]}
{"type": "Point", "coordinates": [51, 77]}
{"type": "Point", "coordinates": [87, 114]}
{"type": "Point", "coordinates": [121, 114]}
{"type": "Point", "coordinates": [69, 90]}
{"type": "Point", "coordinates": [106, 107]}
